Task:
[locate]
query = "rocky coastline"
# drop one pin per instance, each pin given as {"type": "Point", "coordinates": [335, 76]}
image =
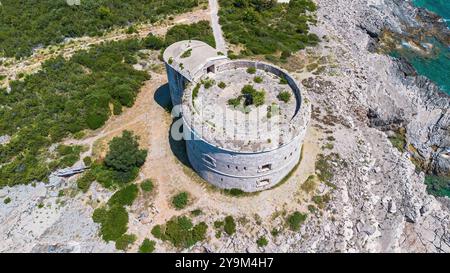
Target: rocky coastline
{"type": "Point", "coordinates": [382, 200]}
{"type": "Point", "coordinates": [431, 140]}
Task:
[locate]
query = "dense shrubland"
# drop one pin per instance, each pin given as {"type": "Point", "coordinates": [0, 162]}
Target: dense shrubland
{"type": "Point", "coordinates": [198, 31]}
{"type": "Point", "coordinates": [266, 27]}
{"type": "Point", "coordinates": [68, 96]}
{"type": "Point", "coordinates": [64, 98]}
{"type": "Point", "coordinates": [25, 25]}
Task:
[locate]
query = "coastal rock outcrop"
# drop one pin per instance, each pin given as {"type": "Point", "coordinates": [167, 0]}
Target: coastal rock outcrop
{"type": "Point", "coordinates": [428, 125]}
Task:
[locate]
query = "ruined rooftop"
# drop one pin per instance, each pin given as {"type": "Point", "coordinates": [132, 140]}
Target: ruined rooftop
{"type": "Point", "coordinates": [189, 57]}
{"type": "Point", "coordinates": [219, 111]}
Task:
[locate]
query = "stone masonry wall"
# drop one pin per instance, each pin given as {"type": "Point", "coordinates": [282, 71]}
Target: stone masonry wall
{"type": "Point", "coordinates": [246, 171]}
{"type": "Point", "coordinates": [176, 85]}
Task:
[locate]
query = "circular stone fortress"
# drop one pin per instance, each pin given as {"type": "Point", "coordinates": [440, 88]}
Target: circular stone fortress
{"type": "Point", "coordinates": [243, 121]}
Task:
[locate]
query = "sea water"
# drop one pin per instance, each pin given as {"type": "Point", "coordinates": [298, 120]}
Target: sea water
{"type": "Point", "coordinates": [436, 66]}
{"type": "Point", "coordinates": [441, 7]}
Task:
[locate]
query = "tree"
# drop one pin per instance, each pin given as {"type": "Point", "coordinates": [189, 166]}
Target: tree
{"type": "Point", "coordinates": [124, 154]}
{"type": "Point", "coordinates": [153, 42]}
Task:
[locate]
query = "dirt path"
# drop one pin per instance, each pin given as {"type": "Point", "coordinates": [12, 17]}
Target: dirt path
{"type": "Point", "coordinates": [217, 30]}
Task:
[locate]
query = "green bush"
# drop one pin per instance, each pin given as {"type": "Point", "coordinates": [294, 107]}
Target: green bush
{"type": "Point", "coordinates": [182, 233]}
{"type": "Point", "coordinates": [275, 232]}
{"type": "Point", "coordinates": [131, 30]}
{"type": "Point", "coordinates": [222, 85]}
{"type": "Point", "coordinates": [157, 232]}
{"type": "Point", "coordinates": [147, 246]}
{"type": "Point", "coordinates": [235, 102]}
{"type": "Point", "coordinates": [117, 108]}
{"type": "Point", "coordinates": [258, 79]}
{"type": "Point", "coordinates": [324, 167]}
{"type": "Point", "coordinates": [195, 91]}
{"type": "Point", "coordinates": [218, 224]}
{"type": "Point", "coordinates": [7, 200]}
{"type": "Point", "coordinates": [230, 225]}
{"type": "Point", "coordinates": [68, 155]}
{"type": "Point", "coordinates": [147, 185]}
{"type": "Point", "coordinates": [398, 141]}
{"type": "Point", "coordinates": [95, 120]}
{"type": "Point", "coordinates": [85, 181]}
{"type": "Point", "coordinates": [438, 185]}
{"type": "Point", "coordinates": [285, 54]}
{"type": "Point", "coordinates": [87, 161]}
{"type": "Point", "coordinates": [180, 200]}
{"type": "Point", "coordinates": [186, 54]}
{"type": "Point", "coordinates": [309, 185]}
{"type": "Point", "coordinates": [199, 232]}
{"type": "Point", "coordinates": [113, 222]}
{"type": "Point", "coordinates": [153, 42]}
{"type": "Point", "coordinates": [321, 200]}
{"type": "Point", "coordinates": [208, 83]}
{"type": "Point", "coordinates": [284, 96]}
{"type": "Point", "coordinates": [251, 70]}
{"type": "Point", "coordinates": [312, 208]}
{"type": "Point", "coordinates": [283, 80]}
{"type": "Point", "coordinates": [124, 241]}
{"type": "Point", "coordinates": [262, 241]}
{"type": "Point", "coordinates": [124, 196]}
{"type": "Point", "coordinates": [295, 220]}
{"type": "Point", "coordinates": [256, 97]}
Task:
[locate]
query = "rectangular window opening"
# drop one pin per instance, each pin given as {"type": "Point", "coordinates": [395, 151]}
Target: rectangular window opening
{"type": "Point", "coordinates": [263, 183]}
{"type": "Point", "coordinates": [266, 167]}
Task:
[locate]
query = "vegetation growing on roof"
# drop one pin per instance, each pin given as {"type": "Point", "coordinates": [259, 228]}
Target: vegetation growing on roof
{"type": "Point", "coordinates": [251, 70]}
{"type": "Point", "coordinates": [284, 96]}
{"type": "Point", "coordinates": [186, 54]}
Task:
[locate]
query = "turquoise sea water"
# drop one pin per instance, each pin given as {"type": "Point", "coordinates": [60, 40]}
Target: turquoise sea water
{"type": "Point", "coordinates": [441, 7]}
{"type": "Point", "coordinates": [436, 67]}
